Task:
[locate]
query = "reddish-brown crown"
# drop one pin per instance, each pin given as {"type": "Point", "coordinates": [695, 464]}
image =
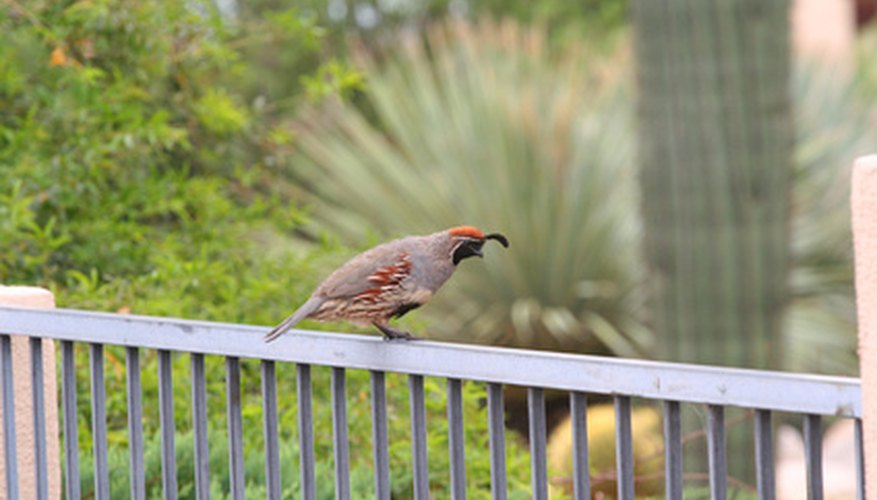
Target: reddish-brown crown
{"type": "Point", "coordinates": [466, 231]}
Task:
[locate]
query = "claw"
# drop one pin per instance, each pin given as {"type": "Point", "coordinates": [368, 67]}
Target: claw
{"type": "Point", "coordinates": [391, 333]}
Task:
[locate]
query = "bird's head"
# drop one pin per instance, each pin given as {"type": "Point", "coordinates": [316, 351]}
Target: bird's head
{"type": "Point", "coordinates": [466, 241]}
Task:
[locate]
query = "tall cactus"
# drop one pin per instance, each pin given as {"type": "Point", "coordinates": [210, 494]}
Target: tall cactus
{"type": "Point", "coordinates": [716, 156]}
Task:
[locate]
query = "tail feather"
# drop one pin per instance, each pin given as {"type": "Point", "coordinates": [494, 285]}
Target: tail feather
{"type": "Point", "coordinates": [301, 313]}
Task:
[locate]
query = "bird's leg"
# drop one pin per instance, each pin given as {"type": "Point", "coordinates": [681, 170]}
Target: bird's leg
{"type": "Point", "coordinates": [391, 333]}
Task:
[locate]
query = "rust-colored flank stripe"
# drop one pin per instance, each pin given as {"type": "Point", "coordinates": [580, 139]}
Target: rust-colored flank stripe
{"type": "Point", "coordinates": [393, 274]}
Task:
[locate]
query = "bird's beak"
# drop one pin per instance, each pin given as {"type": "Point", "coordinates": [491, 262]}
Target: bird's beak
{"type": "Point", "coordinates": [498, 237]}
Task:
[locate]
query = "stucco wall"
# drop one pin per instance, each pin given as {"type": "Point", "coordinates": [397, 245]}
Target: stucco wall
{"type": "Point", "coordinates": [864, 205]}
{"type": "Point", "coordinates": [32, 297]}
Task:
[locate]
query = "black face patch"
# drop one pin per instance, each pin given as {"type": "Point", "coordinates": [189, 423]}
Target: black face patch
{"type": "Point", "coordinates": [466, 249]}
{"type": "Point", "coordinates": [404, 309]}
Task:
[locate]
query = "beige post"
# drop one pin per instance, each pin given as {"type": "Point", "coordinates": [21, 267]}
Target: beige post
{"type": "Point", "coordinates": [21, 296]}
{"type": "Point", "coordinates": [864, 205]}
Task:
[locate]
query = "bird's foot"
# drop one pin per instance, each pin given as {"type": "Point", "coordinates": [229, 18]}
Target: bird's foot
{"type": "Point", "coordinates": [391, 333]}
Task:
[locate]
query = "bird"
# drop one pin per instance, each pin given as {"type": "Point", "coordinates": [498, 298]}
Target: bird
{"type": "Point", "coordinates": [390, 280]}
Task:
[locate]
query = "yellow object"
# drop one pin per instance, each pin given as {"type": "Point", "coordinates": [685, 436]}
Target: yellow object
{"type": "Point", "coordinates": [648, 452]}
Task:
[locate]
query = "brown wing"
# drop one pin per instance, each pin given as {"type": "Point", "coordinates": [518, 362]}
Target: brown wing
{"type": "Point", "coordinates": [369, 273]}
{"type": "Point", "coordinates": [387, 280]}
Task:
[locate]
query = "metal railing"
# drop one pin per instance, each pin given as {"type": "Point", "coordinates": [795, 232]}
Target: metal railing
{"type": "Point", "coordinates": [672, 384]}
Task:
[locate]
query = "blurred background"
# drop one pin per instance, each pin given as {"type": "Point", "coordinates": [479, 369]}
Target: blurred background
{"type": "Point", "coordinates": [673, 176]}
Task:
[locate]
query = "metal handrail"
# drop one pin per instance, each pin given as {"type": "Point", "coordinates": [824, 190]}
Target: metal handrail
{"type": "Point", "coordinates": [772, 390]}
{"type": "Point", "coordinates": [670, 383]}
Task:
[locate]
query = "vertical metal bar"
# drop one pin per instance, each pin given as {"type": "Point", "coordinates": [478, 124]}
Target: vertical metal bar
{"type": "Point", "coordinates": [716, 448]}
{"type": "Point", "coordinates": [578, 407]}
{"type": "Point", "coordinates": [135, 423]}
{"type": "Point", "coordinates": [859, 443]}
{"type": "Point", "coordinates": [199, 426]}
{"type": "Point", "coordinates": [235, 427]}
{"type": "Point", "coordinates": [340, 443]}
{"type": "Point", "coordinates": [538, 467]}
{"type": "Point", "coordinates": [813, 456]}
{"type": "Point", "coordinates": [305, 432]}
{"type": "Point", "coordinates": [764, 472]}
{"type": "Point", "coordinates": [9, 445]}
{"type": "Point", "coordinates": [672, 450]}
{"type": "Point", "coordinates": [456, 440]}
{"type": "Point", "coordinates": [71, 428]}
{"type": "Point", "coordinates": [41, 472]}
{"type": "Point", "coordinates": [379, 435]}
{"type": "Point", "coordinates": [99, 423]}
{"type": "Point", "coordinates": [166, 418]}
{"type": "Point", "coordinates": [269, 424]}
{"type": "Point", "coordinates": [419, 455]}
{"type": "Point", "coordinates": [496, 427]}
{"type": "Point", "coordinates": [623, 448]}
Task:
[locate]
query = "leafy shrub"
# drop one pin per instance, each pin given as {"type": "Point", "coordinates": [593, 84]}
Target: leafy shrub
{"type": "Point", "coordinates": [118, 135]}
{"type": "Point", "coordinates": [138, 175]}
{"type": "Point", "coordinates": [359, 425]}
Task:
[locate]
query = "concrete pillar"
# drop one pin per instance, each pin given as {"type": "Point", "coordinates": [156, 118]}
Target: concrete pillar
{"type": "Point", "coordinates": [864, 207]}
{"type": "Point", "coordinates": [20, 296]}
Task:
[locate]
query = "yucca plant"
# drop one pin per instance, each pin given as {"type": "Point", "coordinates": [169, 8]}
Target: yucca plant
{"type": "Point", "coordinates": [482, 124]}
{"type": "Point", "coordinates": [834, 126]}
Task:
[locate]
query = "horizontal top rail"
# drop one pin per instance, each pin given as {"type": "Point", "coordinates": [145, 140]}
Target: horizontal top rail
{"type": "Point", "coordinates": [781, 391]}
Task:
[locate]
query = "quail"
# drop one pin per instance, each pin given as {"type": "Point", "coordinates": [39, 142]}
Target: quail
{"type": "Point", "coordinates": [390, 280]}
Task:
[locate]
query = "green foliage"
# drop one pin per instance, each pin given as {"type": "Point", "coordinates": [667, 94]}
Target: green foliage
{"type": "Point", "coordinates": [376, 22]}
{"type": "Point", "coordinates": [138, 175]}
{"type": "Point", "coordinates": [485, 125]}
{"type": "Point", "coordinates": [333, 78]}
{"type": "Point", "coordinates": [32, 243]}
{"type": "Point", "coordinates": [218, 113]}
{"type": "Point", "coordinates": [289, 57]}
{"type": "Point", "coordinates": [359, 425]}
{"type": "Point", "coordinates": [120, 137]}
{"type": "Point", "coordinates": [597, 21]}
{"type": "Point", "coordinates": [833, 128]}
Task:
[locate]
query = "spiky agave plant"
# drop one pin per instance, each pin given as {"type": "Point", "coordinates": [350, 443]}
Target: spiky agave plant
{"type": "Point", "coordinates": [834, 126]}
{"type": "Point", "coordinates": [481, 124]}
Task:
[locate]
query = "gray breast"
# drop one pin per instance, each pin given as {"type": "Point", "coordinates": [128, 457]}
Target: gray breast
{"type": "Point", "coordinates": [432, 263]}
